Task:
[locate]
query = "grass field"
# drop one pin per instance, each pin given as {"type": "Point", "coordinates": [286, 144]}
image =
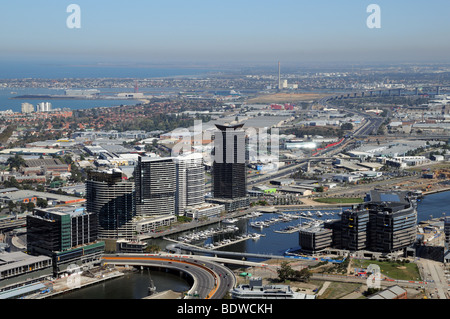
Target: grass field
{"type": "Point", "coordinates": [338, 290]}
{"type": "Point", "coordinates": [335, 200]}
{"type": "Point", "coordinates": [394, 270]}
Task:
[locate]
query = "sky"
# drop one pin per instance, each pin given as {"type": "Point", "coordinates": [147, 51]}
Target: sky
{"type": "Point", "coordinates": [219, 31]}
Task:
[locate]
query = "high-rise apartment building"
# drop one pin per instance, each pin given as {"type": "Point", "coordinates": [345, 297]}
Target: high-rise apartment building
{"type": "Point", "coordinates": [44, 107]}
{"type": "Point", "coordinates": [155, 186]}
{"type": "Point", "coordinates": [190, 181]}
{"type": "Point", "coordinates": [27, 107]}
{"type": "Point", "coordinates": [111, 197]}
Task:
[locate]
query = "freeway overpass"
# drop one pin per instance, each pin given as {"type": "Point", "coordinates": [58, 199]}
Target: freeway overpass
{"type": "Point", "coordinates": [241, 256]}
{"type": "Point", "coordinates": [211, 280]}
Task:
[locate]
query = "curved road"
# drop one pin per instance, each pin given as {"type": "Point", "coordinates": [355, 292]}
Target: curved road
{"type": "Point", "coordinates": [211, 280]}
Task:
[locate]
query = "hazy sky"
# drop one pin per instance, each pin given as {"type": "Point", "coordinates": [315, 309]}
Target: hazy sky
{"type": "Point", "coordinates": [225, 30]}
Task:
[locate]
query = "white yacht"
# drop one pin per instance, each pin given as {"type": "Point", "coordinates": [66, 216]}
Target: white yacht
{"type": "Point", "coordinates": [257, 224]}
{"type": "Point", "coordinates": [229, 221]}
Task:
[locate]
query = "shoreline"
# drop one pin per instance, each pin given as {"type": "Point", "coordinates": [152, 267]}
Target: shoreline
{"type": "Point", "coordinates": [86, 282]}
{"type": "Point", "coordinates": [75, 98]}
{"type": "Point", "coordinates": [446, 189]}
{"type": "Point", "coordinates": [310, 205]}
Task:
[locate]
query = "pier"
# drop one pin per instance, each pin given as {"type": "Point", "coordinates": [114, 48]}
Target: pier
{"type": "Point", "coordinates": [222, 243]}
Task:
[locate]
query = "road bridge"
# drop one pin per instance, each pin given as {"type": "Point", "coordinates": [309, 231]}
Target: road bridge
{"type": "Point", "coordinates": [211, 280]}
{"type": "Point", "coordinates": [241, 256]}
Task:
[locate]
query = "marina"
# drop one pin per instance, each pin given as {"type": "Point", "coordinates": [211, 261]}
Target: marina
{"type": "Point", "coordinates": [221, 236]}
{"type": "Point", "coordinates": [247, 226]}
{"type": "Point", "coordinates": [228, 232]}
{"type": "Point", "coordinates": [216, 244]}
{"type": "Point", "coordinates": [276, 242]}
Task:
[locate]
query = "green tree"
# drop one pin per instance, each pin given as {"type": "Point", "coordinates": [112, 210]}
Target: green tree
{"type": "Point", "coordinates": [302, 275]}
{"type": "Point", "coordinates": [41, 202]}
{"type": "Point", "coordinates": [11, 206]}
{"type": "Point", "coordinates": [16, 162]}
{"type": "Point", "coordinates": [30, 206]}
{"type": "Point", "coordinates": [347, 126]}
{"type": "Point", "coordinates": [285, 271]}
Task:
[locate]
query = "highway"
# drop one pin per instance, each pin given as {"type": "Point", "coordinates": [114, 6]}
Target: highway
{"type": "Point", "coordinates": [211, 280]}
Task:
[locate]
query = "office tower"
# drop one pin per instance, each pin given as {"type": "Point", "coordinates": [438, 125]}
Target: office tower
{"type": "Point", "coordinates": [190, 181]}
{"type": "Point", "coordinates": [354, 226]}
{"type": "Point", "coordinates": [27, 108]}
{"type": "Point", "coordinates": [229, 177]}
{"type": "Point", "coordinates": [111, 197]}
{"type": "Point", "coordinates": [335, 226]}
{"type": "Point", "coordinates": [393, 221]}
{"type": "Point", "coordinates": [155, 186]}
{"type": "Point", "coordinates": [447, 232]}
{"type": "Point", "coordinates": [229, 174]}
{"type": "Point", "coordinates": [385, 222]}
{"type": "Point", "coordinates": [66, 234]}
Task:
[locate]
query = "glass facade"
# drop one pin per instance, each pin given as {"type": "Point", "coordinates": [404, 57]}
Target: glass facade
{"type": "Point", "coordinates": [112, 199]}
{"type": "Point", "coordinates": [229, 171]}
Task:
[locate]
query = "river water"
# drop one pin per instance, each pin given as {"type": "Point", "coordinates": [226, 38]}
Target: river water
{"type": "Point", "coordinates": [134, 285]}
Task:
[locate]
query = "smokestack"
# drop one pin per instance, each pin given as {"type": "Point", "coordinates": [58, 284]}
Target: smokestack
{"type": "Point", "coordinates": [279, 76]}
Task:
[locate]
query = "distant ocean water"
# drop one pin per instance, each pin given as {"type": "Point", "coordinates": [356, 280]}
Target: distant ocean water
{"type": "Point", "coordinates": [57, 71]}
{"type": "Point", "coordinates": [48, 70]}
{"type": "Point", "coordinates": [6, 103]}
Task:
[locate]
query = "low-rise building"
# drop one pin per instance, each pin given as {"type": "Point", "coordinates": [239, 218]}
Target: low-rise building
{"type": "Point", "coordinates": [346, 178]}
{"type": "Point", "coordinates": [315, 239]}
{"type": "Point", "coordinates": [394, 292]}
{"type": "Point", "coordinates": [19, 267]}
{"type": "Point", "coordinates": [27, 196]}
{"type": "Point", "coordinates": [205, 210]}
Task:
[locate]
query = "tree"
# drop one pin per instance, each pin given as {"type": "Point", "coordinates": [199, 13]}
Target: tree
{"type": "Point", "coordinates": [347, 126]}
{"type": "Point", "coordinates": [285, 271]}
{"type": "Point", "coordinates": [30, 206]}
{"type": "Point", "coordinates": [41, 202]}
{"type": "Point", "coordinates": [11, 206]}
{"type": "Point", "coordinates": [15, 162]}
{"type": "Point", "coordinates": [302, 275]}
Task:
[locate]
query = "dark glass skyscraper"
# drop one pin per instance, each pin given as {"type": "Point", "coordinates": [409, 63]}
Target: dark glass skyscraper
{"type": "Point", "coordinates": [229, 172]}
